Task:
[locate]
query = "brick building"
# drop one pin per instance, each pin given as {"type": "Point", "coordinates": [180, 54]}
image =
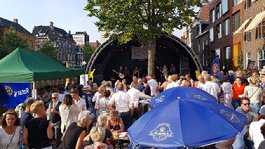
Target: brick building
{"type": "Point", "coordinates": [7, 26]}
{"type": "Point", "coordinates": [200, 35]}
{"type": "Point", "coordinates": [225, 20]}
{"type": "Point", "coordinates": [254, 32]}
{"type": "Point", "coordinates": [68, 51]}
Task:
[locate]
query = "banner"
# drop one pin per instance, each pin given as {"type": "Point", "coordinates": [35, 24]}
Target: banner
{"type": "Point", "coordinates": [12, 94]}
{"type": "Point", "coordinates": [215, 68]}
{"type": "Point", "coordinates": [251, 65]}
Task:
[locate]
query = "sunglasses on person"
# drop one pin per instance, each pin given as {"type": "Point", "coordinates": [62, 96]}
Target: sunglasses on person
{"type": "Point", "coordinates": [54, 97]}
{"type": "Point", "coordinates": [246, 104]}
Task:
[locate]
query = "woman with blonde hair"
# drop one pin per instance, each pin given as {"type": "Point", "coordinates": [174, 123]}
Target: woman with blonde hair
{"type": "Point", "coordinates": [253, 92]}
{"type": "Point", "coordinates": [97, 134]}
{"type": "Point", "coordinates": [115, 123]}
{"type": "Point", "coordinates": [38, 131]}
{"type": "Point", "coordinates": [10, 130]}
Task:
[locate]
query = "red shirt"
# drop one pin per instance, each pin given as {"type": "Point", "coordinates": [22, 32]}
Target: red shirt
{"type": "Point", "coordinates": [237, 90]}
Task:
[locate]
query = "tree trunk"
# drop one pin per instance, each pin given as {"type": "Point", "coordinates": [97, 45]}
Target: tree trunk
{"type": "Point", "coordinates": [151, 56]}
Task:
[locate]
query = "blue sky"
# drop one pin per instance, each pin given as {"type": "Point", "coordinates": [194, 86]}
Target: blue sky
{"type": "Point", "coordinates": [65, 14]}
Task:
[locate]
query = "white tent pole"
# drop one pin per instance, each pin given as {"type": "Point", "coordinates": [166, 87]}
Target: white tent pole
{"type": "Point", "coordinates": [34, 90]}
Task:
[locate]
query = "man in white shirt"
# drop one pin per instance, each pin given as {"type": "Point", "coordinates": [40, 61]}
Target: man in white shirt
{"type": "Point", "coordinates": [135, 95]}
{"type": "Point", "coordinates": [79, 102]}
{"type": "Point", "coordinates": [123, 104]}
{"type": "Point", "coordinates": [254, 130]}
{"type": "Point", "coordinates": [153, 85]}
{"type": "Point", "coordinates": [211, 87]}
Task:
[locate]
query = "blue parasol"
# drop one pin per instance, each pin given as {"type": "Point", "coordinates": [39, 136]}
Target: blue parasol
{"type": "Point", "coordinates": [186, 122]}
{"type": "Point", "coordinates": [181, 92]}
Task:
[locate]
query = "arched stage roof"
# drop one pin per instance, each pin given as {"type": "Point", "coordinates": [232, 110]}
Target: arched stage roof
{"type": "Point", "coordinates": [169, 50]}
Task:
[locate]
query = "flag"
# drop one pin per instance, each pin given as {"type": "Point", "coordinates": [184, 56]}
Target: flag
{"type": "Point", "coordinates": [91, 74]}
{"type": "Point", "coordinates": [215, 68]}
{"type": "Point", "coordinates": [12, 94]}
{"type": "Point", "coordinates": [67, 80]}
{"type": "Point", "coordinates": [197, 73]}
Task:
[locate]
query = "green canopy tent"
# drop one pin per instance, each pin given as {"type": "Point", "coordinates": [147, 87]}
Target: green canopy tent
{"type": "Point", "coordinates": [28, 66]}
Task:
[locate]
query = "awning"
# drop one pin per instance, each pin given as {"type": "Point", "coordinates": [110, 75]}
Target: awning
{"type": "Point", "coordinates": [242, 26]}
{"type": "Point", "coordinates": [255, 22]}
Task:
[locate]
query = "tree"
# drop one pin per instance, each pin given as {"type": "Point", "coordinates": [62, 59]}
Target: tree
{"type": "Point", "coordinates": [88, 51]}
{"type": "Point", "coordinates": [10, 42]}
{"type": "Point", "coordinates": [48, 49]}
{"type": "Point", "coordinates": [145, 20]}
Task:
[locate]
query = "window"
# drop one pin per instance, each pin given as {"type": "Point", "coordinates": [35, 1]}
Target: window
{"type": "Point", "coordinates": [263, 28]}
{"type": "Point", "coordinates": [226, 27]}
{"type": "Point", "coordinates": [236, 21]}
{"type": "Point", "coordinates": [260, 30]}
{"type": "Point", "coordinates": [211, 35]}
{"type": "Point", "coordinates": [219, 31]}
{"type": "Point", "coordinates": [218, 11]}
{"type": "Point", "coordinates": [224, 6]}
{"type": "Point", "coordinates": [235, 2]}
{"type": "Point", "coordinates": [261, 58]}
{"type": "Point", "coordinates": [217, 52]}
{"type": "Point", "coordinates": [228, 53]}
{"type": "Point", "coordinates": [212, 13]}
{"type": "Point", "coordinates": [247, 36]}
{"type": "Point", "coordinates": [248, 4]}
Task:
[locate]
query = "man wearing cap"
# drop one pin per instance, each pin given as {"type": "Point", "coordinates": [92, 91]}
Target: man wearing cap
{"type": "Point", "coordinates": [262, 78]}
{"type": "Point", "coordinates": [25, 116]}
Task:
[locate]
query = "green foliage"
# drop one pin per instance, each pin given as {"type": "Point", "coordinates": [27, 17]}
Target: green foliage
{"type": "Point", "coordinates": [48, 49]}
{"type": "Point", "coordinates": [241, 61]}
{"type": "Point", "coordinates": [10, 42]}
{"type": "Point", "coordinates": [145, 19]}
{"type": "Point", "coordinates": [88, 51]}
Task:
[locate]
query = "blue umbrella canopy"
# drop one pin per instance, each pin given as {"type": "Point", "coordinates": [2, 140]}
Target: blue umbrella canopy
{"type": "Point", "coordinates": [186, 122]}
{"type": "Point", "coordinates": [181, 92]}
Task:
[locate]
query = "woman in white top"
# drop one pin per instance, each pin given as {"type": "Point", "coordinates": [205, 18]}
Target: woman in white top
{"type": "Point", "coordinates": [10, 131]}
{"type": "Point", "coordinates": [68, 112]}
{"type": "Point", "coordinates": [226, 88]}
{"type": "Point", "coordinates": [253, 93]}
{"type": "Point", "coordinates": [103, 103]}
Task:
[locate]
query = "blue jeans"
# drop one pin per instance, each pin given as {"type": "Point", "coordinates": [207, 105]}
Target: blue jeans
{"type": "Point", "coordinates": [127, 119]}
{"type": "Point", "coordinates": [235, 103]}
{"type": "Point", "coordinates": [256, 107]}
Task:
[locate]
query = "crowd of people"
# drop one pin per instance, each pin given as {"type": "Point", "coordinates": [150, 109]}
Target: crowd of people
{"type": "Point", "coordinates": [63, 117]}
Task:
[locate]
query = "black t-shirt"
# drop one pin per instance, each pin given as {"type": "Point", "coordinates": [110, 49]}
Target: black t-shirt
{"type": "Point", "coordinates": [25, 116]}
{"type": "Point", "coordinates": [37, 133]}
{"type": "Point", "coordinates": [71, 136]}
{"type": "Point", "coordinates": [147, 90]}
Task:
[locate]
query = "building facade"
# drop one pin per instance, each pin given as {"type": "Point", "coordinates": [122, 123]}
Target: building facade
{"type": "Point", "coordinates": [225, 19]}
{"type": "Point", "coordinates": [200, 35]}
{"type": "Point", "coordinates": [81, 39]}
{"type": "Point", "coordinates": [254, 32]}
{"type": "Point", "coordinates": [68, 51]}
{"type": "Point", "coordinates": [6, 26]}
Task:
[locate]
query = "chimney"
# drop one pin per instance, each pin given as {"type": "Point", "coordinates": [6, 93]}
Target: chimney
{"type": "Point", "coordinates": [51, 25]}
{"type": "Point", "coordinates": [15, 21]}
